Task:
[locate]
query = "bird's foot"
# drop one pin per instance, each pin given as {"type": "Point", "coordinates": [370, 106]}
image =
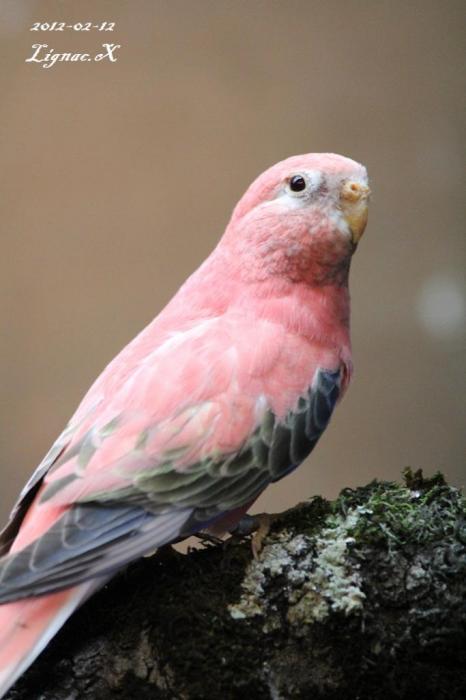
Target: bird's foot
{"type": "Point", "coordinates": [256, 525]}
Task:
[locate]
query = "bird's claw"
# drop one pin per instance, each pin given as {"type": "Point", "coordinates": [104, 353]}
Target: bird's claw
{"type": "Point", "coordinates": [256, 525]}
{"type": "Point", "coordinates": [207, 537]}
{"type": "Point", "coordinates": [257, 542]}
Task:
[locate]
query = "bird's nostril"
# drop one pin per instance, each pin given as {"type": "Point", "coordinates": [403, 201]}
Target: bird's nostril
{"type": "Point", "coordinates": [353, 191]}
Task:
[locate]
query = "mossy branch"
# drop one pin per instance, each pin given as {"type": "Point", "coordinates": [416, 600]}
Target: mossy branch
{"type": "Point", "coordinates": [361, 597]}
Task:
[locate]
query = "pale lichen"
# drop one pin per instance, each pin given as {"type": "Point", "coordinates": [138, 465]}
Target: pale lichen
{"type": "Point", "coordinates": [310, 575]}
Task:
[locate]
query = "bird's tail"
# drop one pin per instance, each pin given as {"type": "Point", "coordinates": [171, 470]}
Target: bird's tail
{"type": "Point", "coordinates": [26, 627]}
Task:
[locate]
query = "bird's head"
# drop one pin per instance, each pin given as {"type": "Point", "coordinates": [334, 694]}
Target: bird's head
{"type": "Point", "coordinates": [302, 219]}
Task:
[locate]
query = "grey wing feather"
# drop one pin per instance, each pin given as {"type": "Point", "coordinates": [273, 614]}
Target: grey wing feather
{"type": "Point", "coordinates": [88, 541]}
{"type": "Point", "coordinates": [306, 424]}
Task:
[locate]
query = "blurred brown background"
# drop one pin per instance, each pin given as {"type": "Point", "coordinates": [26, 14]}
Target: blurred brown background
{"type": "Point", "coordinates": [117, 180]}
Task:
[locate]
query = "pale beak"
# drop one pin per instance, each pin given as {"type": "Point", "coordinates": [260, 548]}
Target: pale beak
{"type": "Point", "coordinates": [354, 205]}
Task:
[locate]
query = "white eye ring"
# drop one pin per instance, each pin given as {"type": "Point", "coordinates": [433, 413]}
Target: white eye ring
{"type": "Point", "coordinates": [304, 183]}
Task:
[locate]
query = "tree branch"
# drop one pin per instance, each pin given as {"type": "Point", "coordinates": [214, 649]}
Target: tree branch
{"type": "Point", "coordinates": [363, 597]}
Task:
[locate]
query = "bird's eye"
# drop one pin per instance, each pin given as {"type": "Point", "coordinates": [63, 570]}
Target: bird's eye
{"type": "Point", "coordinates": [297, 183]}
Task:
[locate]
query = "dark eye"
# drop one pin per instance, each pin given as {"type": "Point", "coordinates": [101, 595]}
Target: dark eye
{"type": "Point", "coordinates": [297, 183]}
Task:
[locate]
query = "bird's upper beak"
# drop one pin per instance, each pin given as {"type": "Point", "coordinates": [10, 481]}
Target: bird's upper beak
{"type": "Point", "coordinates": [354, 200]}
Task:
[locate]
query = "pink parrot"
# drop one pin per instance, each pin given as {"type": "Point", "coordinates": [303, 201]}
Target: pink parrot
{"type": "Point", "coordinates": [227, 390]}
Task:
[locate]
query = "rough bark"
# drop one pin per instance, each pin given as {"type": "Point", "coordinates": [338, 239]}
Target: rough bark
{"type": "Point", "coordinates": [364, 597]}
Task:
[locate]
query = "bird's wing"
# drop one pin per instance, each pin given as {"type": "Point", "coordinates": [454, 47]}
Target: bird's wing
{"type": "Point", "coordinates": [147, 472]}
{"type": "Point", "coordinates": [31, 488]}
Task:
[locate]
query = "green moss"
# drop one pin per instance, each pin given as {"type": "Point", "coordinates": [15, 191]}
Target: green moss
{"type": "Point", "coordinates": [418, 512]}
